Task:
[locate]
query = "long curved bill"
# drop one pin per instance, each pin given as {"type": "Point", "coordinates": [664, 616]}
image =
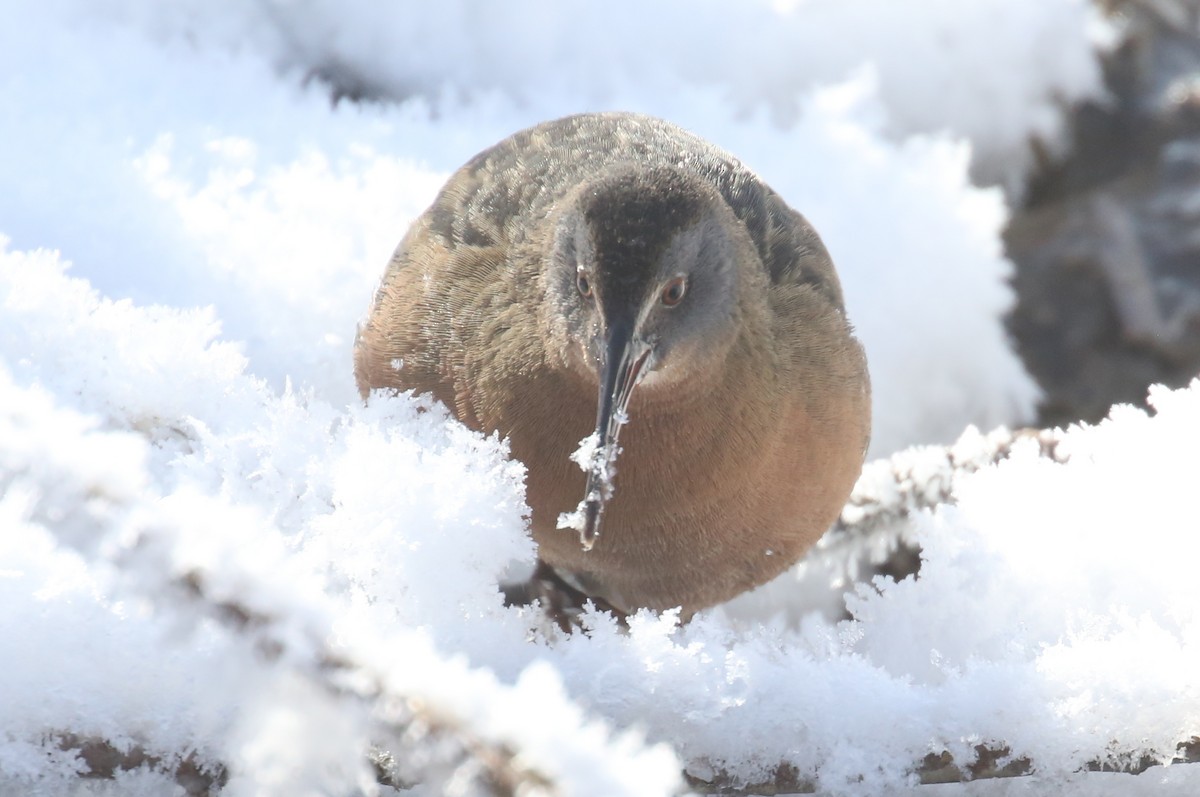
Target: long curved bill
{"type": "Point", "coordinates": [624, 365]}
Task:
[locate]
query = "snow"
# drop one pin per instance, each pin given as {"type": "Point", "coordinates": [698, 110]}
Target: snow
{"type": "Point", "coordinates": [599, 463]}
{"type": "Point", "coordinates": [209, 548]}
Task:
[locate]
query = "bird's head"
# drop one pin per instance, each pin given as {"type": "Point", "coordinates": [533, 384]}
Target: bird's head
{"type": "Point", "coordinates": [642, 288]}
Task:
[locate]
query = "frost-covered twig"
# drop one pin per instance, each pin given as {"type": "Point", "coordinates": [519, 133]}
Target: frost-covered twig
{"type": "Point", "coordinates": [204, 563]}
{"type": "Point", "coordinates": [102, 760]}
{"type": "Point", "coordinates": [991, 762]}
{"type": "Point", "coordinates": [428, 745]}
{"type": "Point", "coordinates": [890, 491]}
{"type": "Point", "coordinates": [416, 729]}
{"type": "Point", "coordinates": [924, 477]}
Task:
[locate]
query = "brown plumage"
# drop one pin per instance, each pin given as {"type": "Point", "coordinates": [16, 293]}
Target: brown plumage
{"type": "Point", "coordinates": [610, 258]}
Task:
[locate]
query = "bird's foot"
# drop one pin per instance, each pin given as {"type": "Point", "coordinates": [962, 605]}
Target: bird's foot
{"type": "Point", "coordinates": [562, 602]}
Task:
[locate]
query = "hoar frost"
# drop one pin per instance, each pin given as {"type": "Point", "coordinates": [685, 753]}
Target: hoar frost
{"type": "Point", "coordinates": [597, 461]}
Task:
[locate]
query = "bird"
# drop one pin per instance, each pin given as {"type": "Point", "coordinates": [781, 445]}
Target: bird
{"type": "Point", "coordinates": [661, 339]}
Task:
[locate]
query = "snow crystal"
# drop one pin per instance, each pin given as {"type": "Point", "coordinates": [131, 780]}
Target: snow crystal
{"type": "Point", "coordinates": [589, 449]}
{"type": "Point", "coordinates": [592, 458]}
{"type": "Point", "coordinates": [576, 518]}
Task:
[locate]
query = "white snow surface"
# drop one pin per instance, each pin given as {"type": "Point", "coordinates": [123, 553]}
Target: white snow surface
{"type": "Point", "coordinates": [190, 230]}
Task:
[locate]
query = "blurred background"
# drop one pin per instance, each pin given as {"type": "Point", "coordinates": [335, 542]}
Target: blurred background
{"type": "Point", "coordinates": [1106, 236]}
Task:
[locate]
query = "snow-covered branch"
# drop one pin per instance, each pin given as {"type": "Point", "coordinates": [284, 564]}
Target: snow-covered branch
{"type": "Point", "coordinates": [876, 522]}
{"type": "Point", "coordinates": [210, 568]}
{"type": "Point", "coordinates": [990, 763]}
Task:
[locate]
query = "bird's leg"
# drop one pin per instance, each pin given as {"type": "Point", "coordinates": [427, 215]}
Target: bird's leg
{"type": "Point", "coordinates": [563, 602]}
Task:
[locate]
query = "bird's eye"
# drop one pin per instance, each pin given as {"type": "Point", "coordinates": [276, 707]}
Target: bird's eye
{"type": "Point", "coordinates": [583, 284]}
{"type": "Point", "coordinates": [674, 291]}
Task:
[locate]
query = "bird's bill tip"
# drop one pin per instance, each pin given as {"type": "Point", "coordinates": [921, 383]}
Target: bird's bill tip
{"type": "Point", "coordinates": [623, 368]}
